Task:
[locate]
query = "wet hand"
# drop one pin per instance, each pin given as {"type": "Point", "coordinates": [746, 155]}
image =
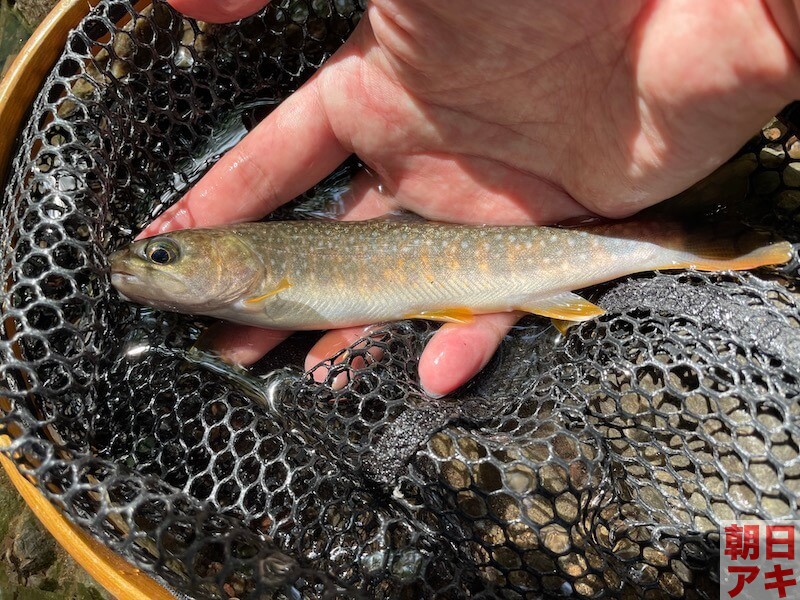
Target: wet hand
{"type": "Point", "coordinates": [531, 113]}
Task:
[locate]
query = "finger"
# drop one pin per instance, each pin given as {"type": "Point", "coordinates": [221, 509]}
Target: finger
{"type": "Point", "coordinates": [786, 17]}
{"type": "Point", "coordinates": [458, 351]}
{"type": "Point", "coordinates": [447, 190]}
{"type": "Point", "coordinates": [330, 345]}
{"type": "Point", "coordinates": [479, 191]}
{"type": "Point", "coordinates": [240, 344]}
{"type": "Point", "coordinates": [286, 154]}
{"type": "Point", "coordinates": [218, 11]}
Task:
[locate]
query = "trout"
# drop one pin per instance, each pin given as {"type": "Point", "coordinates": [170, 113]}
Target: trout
{"type": "Point", "coordinates": [327, 274]}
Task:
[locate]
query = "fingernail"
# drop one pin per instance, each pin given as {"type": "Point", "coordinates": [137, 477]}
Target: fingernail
{"type": "Point", "coordinates": [432, 395]}
{"type": "Point", "coordinates": [319, 372]}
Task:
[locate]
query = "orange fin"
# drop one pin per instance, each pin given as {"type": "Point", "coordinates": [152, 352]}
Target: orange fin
{"type": "Point", "coordinates": [564, 307]}
{"type": "Point", "coordinates": [447, 315]}
{"type": "Point", "coordinates": [283, 284]}
{"type": "Point", "coordinates": [722, 250]}
{"type": "Point", "coordinates": [563, 326]}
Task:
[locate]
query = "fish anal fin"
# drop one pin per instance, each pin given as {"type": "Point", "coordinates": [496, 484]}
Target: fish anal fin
{"type": "Point", "coordinates": [446, 315]}
{"type": "Point", "coordinates": [563, 307]}
{"type": "Point", "coordinates": [283, 284]}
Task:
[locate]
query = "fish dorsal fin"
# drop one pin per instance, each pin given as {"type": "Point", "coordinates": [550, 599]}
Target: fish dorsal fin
{"type": "Point", "coordinates": [563, 307]}
{"type": "Point", "coordinates": [447, 315]}
{"type": "Point", "coordinates": [283, 284]}
{"type": "Point", "coordinates": [398, 216]}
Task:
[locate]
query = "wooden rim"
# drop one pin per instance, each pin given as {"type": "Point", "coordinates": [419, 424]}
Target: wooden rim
{"type": "Point", "coordinates": [115, 574]}
{"type": "Point", "coordinates": [18, 90]}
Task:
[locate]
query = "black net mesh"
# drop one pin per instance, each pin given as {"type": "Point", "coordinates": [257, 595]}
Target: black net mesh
{"type": "Point", "coordinates": [599, 464]}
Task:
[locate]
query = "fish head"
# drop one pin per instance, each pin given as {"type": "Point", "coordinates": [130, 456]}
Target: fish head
{"type": "Point", "coordinates": [191, 271]}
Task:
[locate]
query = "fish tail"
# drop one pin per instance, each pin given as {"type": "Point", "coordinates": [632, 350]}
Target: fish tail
{"type": "Point", "coordinates": [731, 247]}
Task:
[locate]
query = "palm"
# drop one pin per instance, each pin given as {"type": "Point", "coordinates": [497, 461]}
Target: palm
{"type": "Point", "coordinates": [534, 112]}
{"type": "Point", "coordinates": [604, 107]}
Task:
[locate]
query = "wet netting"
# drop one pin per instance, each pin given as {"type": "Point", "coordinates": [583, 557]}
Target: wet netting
{"type": "Point", "coordinates": [599, 464]}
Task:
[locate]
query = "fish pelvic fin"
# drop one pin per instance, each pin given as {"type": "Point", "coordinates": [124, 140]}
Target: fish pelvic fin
{"type": "Point", "coordinates": [563, 307]}
{"type": "Point", "coordinates": [283, 284]}
{"type": "Point", "coordinates": [563, 326]}
{"type": "Point", "coordinates": [732, 248]}
{"type": "Point", "coordinates": [446, 315]}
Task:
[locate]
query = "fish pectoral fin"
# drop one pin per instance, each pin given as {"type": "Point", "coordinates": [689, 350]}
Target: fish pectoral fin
{"type": "Point", "coordinates": [283, 284]}
{"type": "Point", "coordinates": [446, 315]}
{"type": "Point", "coordinates": [564, 307]}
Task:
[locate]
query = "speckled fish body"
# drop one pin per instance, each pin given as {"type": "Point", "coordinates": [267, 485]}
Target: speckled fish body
{"type": "Point", "coordinates": [321, 274]}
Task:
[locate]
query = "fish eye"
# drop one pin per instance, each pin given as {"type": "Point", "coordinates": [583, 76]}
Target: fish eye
{"type": "Point", "coordinates": [161, 252]}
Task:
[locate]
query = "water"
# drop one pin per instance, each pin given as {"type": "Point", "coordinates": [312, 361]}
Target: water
{"type": "Point", "coordinates": [14, 32]}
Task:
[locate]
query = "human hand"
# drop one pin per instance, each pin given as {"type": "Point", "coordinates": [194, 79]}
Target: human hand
{"type": "Point", "coordinates": [531, 113]}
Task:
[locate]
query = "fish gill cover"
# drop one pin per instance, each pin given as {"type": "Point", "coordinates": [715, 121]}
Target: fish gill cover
{"type": "Point", "coordinates": [600, 465]}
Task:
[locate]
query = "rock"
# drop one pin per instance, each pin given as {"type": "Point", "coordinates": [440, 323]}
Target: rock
{"type": "Point", "coordinates": [33, 11]}
{"type": "Point", "coordinates": [32, 564]}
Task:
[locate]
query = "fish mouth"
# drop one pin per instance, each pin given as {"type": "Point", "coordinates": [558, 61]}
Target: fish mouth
{"type": "Point", "coordinates": [131, 288]}
{"type": "Point", "coordinates": [122, 277]}
{"type": "Point", "coordinates": [119, 279]}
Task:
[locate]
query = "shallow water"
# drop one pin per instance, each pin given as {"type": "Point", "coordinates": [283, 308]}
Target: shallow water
{"type": "Point", "coordinates": [14, 32]}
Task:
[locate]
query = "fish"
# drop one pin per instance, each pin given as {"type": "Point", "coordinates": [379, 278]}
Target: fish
{"type": "Point", "coordinates": [307, 275]}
